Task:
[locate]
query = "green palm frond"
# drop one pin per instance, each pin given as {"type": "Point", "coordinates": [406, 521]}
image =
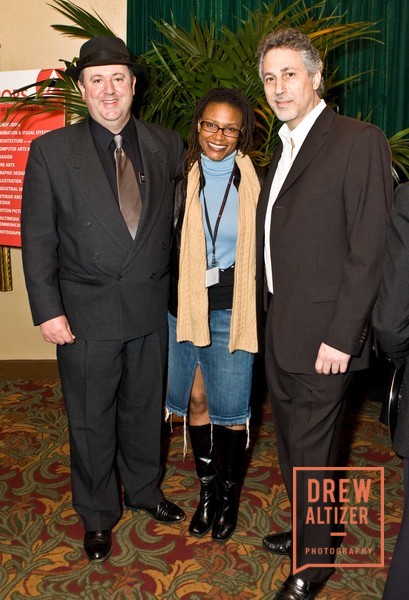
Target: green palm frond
{"type": "Point", "coordinates": [182, 70]}
{"type": "Point", "coordinates": [399, 145]}
{"type": "Point", "coordinates": [87, 26]}
{"type": "Point", "coordinates": [189, 62]}
{"type": "Point", "coordinates": [55, 94]}
{"type": "Point", "coordinates": [52, 94]}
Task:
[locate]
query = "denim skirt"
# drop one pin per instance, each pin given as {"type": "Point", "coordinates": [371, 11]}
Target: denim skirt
{"type": "Point", "coordinates": [227, 376]}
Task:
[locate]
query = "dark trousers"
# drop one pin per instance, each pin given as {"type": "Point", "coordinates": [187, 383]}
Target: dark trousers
{"type": "Point", "coordinates": [397, 582]}
{"type": "Point", "coordinates": [113, 392]}
{"type": "Point", "coordinates": [308, 412]}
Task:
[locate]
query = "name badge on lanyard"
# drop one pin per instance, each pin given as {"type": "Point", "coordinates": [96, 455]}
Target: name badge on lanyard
{"type": "Point", "coordinates": [213, 274]}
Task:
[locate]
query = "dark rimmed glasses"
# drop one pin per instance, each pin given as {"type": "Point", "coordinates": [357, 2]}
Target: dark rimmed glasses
{"type": "Point", "coordinates": [213, 128]}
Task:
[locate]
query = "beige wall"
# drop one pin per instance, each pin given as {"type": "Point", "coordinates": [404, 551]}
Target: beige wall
{"type": "Point", "coordinates": [27, 41]}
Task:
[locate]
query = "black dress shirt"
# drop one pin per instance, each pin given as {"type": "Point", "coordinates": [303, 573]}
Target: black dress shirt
{"type": "Point", "coordinates": [105, 145]}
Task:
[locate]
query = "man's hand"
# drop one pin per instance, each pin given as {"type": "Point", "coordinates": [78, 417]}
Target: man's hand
{"type": "Point", "coordinates": [330, 360]}
{"type": "Point", "coordinates": [57, 331]}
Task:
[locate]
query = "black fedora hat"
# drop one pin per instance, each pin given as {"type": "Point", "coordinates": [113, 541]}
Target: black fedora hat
{"type": "Point", "coordinates": [103, 50]}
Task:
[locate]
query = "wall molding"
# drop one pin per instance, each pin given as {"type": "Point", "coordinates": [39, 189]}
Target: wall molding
{"type": "Point", "coordinates": [29, 369]}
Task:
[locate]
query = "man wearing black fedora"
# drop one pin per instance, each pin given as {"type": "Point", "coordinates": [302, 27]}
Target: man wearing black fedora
{"type": "Point", "coordinates": [96, 226]}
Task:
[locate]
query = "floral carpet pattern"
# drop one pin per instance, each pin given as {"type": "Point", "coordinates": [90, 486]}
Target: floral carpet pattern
{"type": "Point", "coordinates": [41, 553]}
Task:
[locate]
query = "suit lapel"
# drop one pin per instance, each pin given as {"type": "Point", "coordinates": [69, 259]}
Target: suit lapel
{"type": "Point", "coordinates": [265, 191]}
{"type": "Point", "coordinates": [90, 176]}
{"type": "Point", "coordinates": [315, 140]}
{"type": "Point", "coordinates": [153, 162]}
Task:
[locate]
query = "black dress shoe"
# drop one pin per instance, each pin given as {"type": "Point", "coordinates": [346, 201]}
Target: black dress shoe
{"type": "Point", "coordinates": [295, 588]}
{"type": "Point", "coordinates": [164, 512]}
{"type": "Point", "coordinates": [98, 544]}
{"type": "Point", "coordinates": [278, 543]}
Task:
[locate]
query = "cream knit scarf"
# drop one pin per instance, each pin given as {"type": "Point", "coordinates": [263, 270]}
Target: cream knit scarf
{"type": "Point", "coordinates": [193, 311]}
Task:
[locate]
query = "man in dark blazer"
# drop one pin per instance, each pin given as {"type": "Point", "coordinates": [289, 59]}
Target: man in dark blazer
{"type": "Point", "coordinates": [391, 325]}
{"type": "Point", "coordinates": [321, 224]}
{"type": "Point", "coordinates": [100, 292]}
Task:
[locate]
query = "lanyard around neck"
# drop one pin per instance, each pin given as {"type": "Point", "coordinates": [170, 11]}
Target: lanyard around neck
{"type": "Point", "coordinates": [213, 235]}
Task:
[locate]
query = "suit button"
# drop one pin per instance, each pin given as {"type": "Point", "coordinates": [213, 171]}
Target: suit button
{"type": "Point", "coordinates": [169, 215]}
{"type": "Point", "coordinates": [86, 223]}
{"type": "Point", "coordinates": [96, 255]}
{"type": "Point", "coordinates": [153, 275]}
{"type": "Point", "coordinates": [164, 246]}
{"type": "Point", "coordinates": [119, 278]}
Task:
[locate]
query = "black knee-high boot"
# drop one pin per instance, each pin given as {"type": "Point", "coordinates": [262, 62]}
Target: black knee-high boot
{"type": "Point", "coordinates": [200, 438]}
{"type": "Point", "coordinates": [230, 447]}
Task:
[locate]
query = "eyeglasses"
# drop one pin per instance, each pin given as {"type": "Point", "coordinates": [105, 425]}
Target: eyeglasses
{"type": "Point", "coordinates": [227, 131]}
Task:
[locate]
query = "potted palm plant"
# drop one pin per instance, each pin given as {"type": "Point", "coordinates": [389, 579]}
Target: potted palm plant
{"type": "Point", "coordinates": [190, 62]}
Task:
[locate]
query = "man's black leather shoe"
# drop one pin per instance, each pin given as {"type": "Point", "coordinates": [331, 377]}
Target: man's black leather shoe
{"type": "Point", "coordinates": [295, 588]}
{"type": "Point", "coordinates": [98, 545]}
{"type": "Point", "coordinates": [164, 512]}
{"type": "Point", "coordinates": [278, 543]}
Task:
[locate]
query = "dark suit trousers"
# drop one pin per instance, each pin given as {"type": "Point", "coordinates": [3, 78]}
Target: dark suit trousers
{"type": "Point", "coordinates": [308, 411]}
{"type": "Point", "coordinates": [398, 576]}
{"type": "Point", "coordinates": [113, 392]}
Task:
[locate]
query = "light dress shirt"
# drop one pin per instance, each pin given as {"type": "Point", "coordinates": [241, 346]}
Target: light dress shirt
{"type": "Point", "coordinates": [292, 141]}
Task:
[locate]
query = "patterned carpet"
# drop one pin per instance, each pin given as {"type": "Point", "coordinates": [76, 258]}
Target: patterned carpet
{"type": "Point", "coordinates": [41, 537]}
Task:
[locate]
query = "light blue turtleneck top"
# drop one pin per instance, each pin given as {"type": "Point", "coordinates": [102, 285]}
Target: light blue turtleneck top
{"type": "Point", "coordinates": [217, 174]}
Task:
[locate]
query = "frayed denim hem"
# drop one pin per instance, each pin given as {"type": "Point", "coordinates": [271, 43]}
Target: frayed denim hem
{"type": "Point", "coordinates": [168, 417]}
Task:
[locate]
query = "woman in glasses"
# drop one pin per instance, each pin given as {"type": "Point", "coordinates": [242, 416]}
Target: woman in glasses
{"type": "Point", "coordinates": [212, 320]}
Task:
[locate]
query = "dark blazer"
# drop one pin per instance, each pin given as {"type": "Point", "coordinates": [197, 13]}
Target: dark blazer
{"type": "Point", "coordinates": [79, 258]}
{"type": "Point", "coordinates": [391, 313]}
{"type": "Point", "coordinates": [327, 241]}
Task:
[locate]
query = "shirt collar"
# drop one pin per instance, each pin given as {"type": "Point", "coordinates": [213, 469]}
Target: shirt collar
{"type": "Point", "coordinates": [297, 136]}
{"type": "Point", "coordinates": [104, 137]}
{"type": "Point", "coordinates": [129, 133]}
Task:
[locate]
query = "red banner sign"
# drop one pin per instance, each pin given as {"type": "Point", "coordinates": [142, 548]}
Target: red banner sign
{"type": "Point", "coordinates": [15, 140]}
